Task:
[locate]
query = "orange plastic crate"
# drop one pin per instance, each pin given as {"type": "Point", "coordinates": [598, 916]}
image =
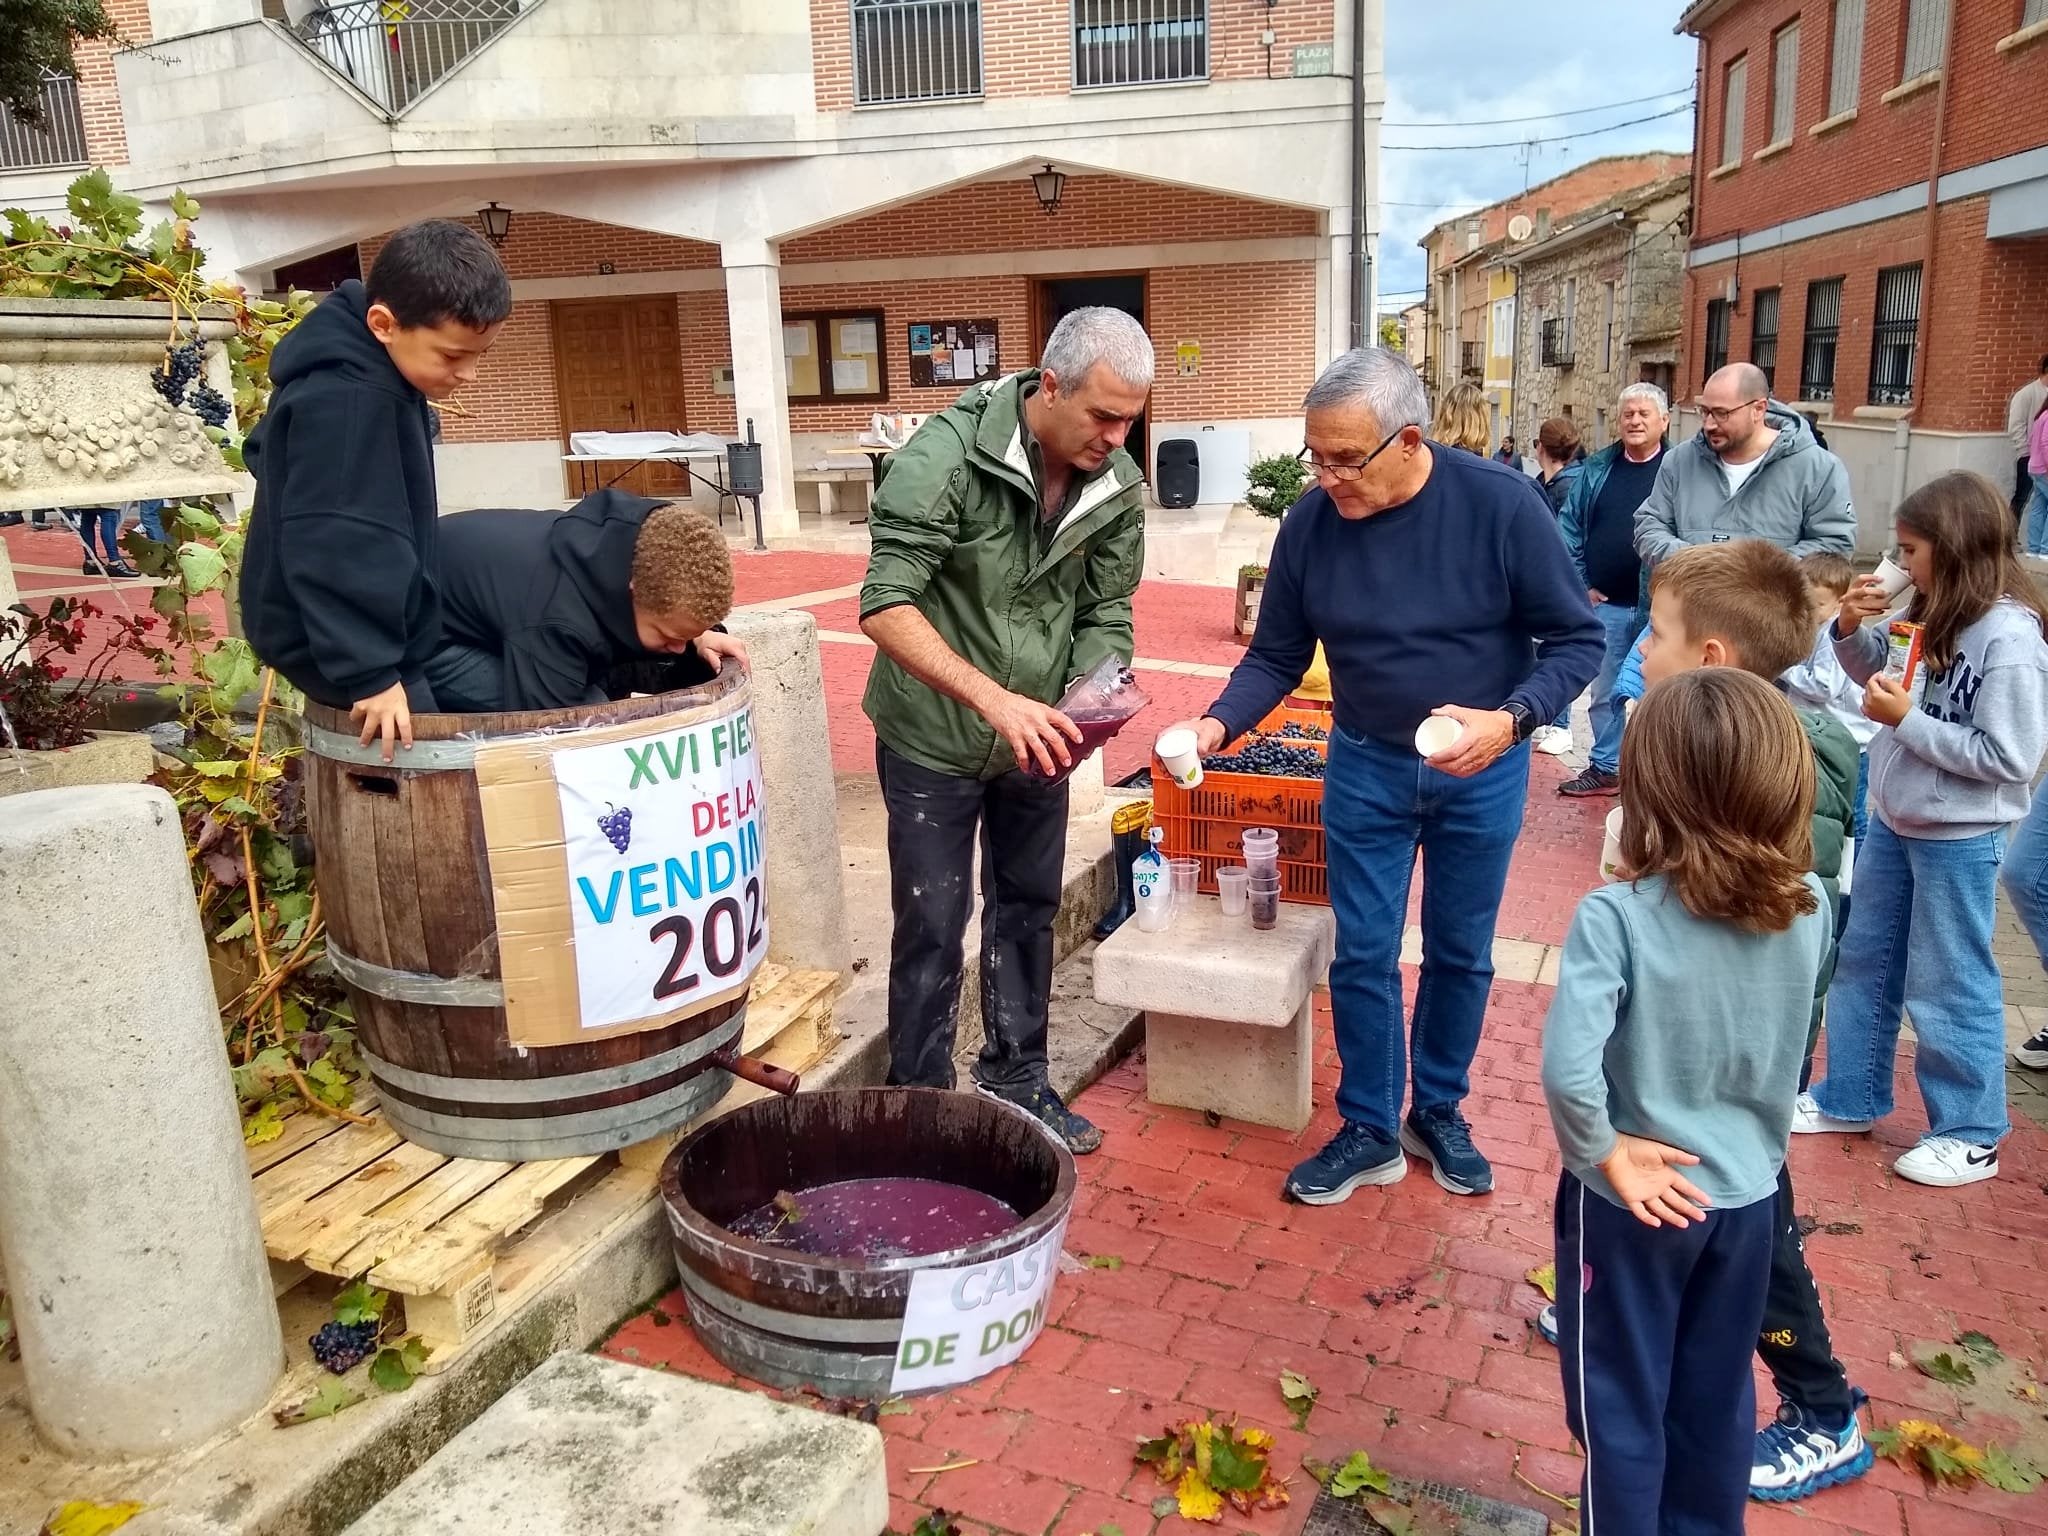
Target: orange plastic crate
{"type": "Point", "coordinates": [1208, 822]}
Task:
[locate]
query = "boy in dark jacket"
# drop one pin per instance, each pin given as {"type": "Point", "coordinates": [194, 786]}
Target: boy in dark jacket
{"type": "Point", "coordinates": [549, 610]}
{"type": "Point", "coordinates": [338, 581]}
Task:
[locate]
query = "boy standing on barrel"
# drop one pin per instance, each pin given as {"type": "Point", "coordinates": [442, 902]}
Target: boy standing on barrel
{"type": "Point", "coordinates": [339, 582]}
{"type": "Point", "coordinates": [549, 610]}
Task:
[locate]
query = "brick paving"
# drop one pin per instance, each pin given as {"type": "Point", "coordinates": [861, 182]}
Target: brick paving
{"type": "Point", "coordinates": [1405, 1306]}
{"type": "Point", "coordinates": [1408, 1307]}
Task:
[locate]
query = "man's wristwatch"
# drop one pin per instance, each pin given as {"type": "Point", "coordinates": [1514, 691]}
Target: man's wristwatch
{"type": "Point", "coordinates": [1525, 722]}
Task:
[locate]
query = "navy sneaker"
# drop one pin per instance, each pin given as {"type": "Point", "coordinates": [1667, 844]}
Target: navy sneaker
{"type": "Point", "coordinates": [1796, 1456]}
{"type": "Point", "coordinates": [1355, 1156]}
{"type": "Point", "coordinates": [1079, 1135]}
{"type": "Point", "coordinates": [1442, 1139]}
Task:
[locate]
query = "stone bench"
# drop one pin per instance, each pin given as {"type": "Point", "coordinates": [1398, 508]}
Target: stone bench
{"type": "Point", "coordinates": [592, 1447]}
{"type": "Point", "coordinates": [1228, 1010]}
{"type": "Point", "coordinates": [826, 477]}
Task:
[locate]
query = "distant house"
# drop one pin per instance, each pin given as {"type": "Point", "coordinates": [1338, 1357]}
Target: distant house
{"type": "Point", "coordinates": [1472, 301]}
{"type": "Point", "coordinates": [1599, 306]}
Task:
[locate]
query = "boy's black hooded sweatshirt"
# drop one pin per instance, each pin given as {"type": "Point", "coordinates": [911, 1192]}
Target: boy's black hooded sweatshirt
{"type": "Point", "coordinates": [551, 594]}
{"type": "Point", "coordinates": [339, 574]}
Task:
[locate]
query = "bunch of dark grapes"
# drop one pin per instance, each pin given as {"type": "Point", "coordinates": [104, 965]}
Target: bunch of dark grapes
{"type": "Point", "coordinates": [1294, 732]}
{"type": "Point", "coordinates": [209, 405]}
{"type": "Point", "coordinates": [618, 827]}
{"type": "Point", "coordinates": [181, 365]}
{"type": "Point", "coordinates": [1271, 757]}
{"type": "Point", "coordinates": [342, 1346]}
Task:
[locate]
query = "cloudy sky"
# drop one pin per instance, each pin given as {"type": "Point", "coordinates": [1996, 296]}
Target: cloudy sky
{"type": "Point", "coordinates": [1451, 63]}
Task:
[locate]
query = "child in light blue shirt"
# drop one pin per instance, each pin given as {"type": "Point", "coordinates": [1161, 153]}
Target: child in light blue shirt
{"type": "Point", "coordinates": [1671, 1061]}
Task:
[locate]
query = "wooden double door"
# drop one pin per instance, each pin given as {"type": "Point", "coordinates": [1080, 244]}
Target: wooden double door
{"type": "Point", "coordinates": [619, 368]}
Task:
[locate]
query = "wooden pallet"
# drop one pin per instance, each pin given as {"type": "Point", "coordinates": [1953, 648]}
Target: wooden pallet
{"type": "Point", "coordinates": [465, 1241]}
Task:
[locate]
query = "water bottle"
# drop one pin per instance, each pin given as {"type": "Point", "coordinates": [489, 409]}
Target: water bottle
{"type": "Point", "coordinates": [1151, 886]}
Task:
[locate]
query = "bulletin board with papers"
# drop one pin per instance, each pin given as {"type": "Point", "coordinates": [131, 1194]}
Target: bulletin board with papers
{"type": "Point", "coordinates": [953, 352]}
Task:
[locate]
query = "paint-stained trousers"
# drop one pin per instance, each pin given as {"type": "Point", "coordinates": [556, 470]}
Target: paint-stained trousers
{"type": "Point", "coordinates": [934, 819]}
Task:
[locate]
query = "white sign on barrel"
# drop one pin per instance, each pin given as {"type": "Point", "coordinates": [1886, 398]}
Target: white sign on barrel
{"type": "Point", "coordinates": [666, 887]}
{"type": "Point", "coordinates": [960, 1324]}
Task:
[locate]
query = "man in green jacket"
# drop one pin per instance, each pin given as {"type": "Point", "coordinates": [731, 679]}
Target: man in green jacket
{"type": "Point", "coordinates": [1007, 541]}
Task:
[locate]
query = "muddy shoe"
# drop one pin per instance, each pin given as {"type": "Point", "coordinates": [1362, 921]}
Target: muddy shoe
{"type": "Point", "coordinates": [1046, 1107]}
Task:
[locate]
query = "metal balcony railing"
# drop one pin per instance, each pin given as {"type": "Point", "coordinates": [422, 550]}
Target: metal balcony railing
{"type": "Point", "coordinates": [395, 51]}
{"type": "Point", "coordinates": [1557, 344]}
{"type": "Point", "coordinates": [1469, 361]}
{"type": "Point", "coordinates": [1140, 42]}
{"type": "Point", "coordinates": [916, 50]}
{"type": "Point", "coordinates": [59, 139]}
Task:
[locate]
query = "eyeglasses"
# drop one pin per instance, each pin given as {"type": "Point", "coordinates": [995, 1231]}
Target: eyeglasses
{"type": "Point", "coordinates": [1717, 414]}
{"type": "Point", "coordinates": [1347, 471]}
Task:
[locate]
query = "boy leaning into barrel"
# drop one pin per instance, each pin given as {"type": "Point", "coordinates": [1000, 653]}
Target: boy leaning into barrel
{"type": "Point", "coordinates": [338, 582]}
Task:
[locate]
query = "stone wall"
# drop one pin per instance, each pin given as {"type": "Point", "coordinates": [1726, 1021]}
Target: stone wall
{"type": "Point", "coordinates": [1625, 285]}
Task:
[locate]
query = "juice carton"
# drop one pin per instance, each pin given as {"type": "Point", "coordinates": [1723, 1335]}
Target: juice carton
{"type": "Point", "coordinates": [1902, 655]}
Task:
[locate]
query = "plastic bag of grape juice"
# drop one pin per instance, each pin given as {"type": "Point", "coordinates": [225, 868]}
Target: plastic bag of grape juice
{"type": "Point", "coordinates": [1100, 704]}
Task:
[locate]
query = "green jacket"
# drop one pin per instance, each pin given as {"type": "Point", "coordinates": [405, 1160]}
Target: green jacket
{"type": "Point", "coordinates": [955, 533]}
{"type": "Point", "coordinates": [1835, 755]}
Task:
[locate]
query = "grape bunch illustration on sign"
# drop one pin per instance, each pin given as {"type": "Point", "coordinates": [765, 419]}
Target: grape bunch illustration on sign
{"type": "Point", "coordinates": [617, 826]}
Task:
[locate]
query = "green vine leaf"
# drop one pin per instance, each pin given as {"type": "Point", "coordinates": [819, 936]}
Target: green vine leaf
{"type": "Point", "coordinates": [201, 567]}
{"type": "Point", "coordinates": [361, 1303]}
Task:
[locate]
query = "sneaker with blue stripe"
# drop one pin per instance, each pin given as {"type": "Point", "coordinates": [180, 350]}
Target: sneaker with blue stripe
{"type": "Point", "coordinates": [1796, 1456]}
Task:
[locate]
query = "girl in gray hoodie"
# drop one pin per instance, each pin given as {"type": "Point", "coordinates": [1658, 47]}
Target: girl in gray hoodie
{"type": "Point", "coordinates": [1949, 775]}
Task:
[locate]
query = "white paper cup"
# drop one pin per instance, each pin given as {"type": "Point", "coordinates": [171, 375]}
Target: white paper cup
{"type": "Point", "coordinates": [1181, 752]}
{"type": "Point", "coordinates": [1439, 733]}
{"type": "Point", "coordinates": [1610, 846]}
{"type": "Point", "coordinates": [1891, 577]}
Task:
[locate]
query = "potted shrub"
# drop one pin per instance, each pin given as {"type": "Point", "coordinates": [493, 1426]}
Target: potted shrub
{"type": "Point", "coordinates": [1275, 483]}
{"type": "Point", "coordinates": [51, 672]}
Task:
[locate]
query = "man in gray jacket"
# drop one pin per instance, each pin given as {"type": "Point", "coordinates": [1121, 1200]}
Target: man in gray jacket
{"type": "Point", "coordinates": [1754, 472]}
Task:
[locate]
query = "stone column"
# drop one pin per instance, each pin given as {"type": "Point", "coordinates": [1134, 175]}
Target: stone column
{"type": "Point", "coordinates": [806, 871]}
{"type": "Point", "coordinates": [127, 1219]}
{"type": "Point", "coordinates": [753, 305]}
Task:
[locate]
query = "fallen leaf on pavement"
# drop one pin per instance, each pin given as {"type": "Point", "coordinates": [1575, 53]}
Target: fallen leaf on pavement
{"type": "Point", "coordinates": [332, 1398]}
{"type": "Point", "coordinates": [1544, 1278]}
{"type": "Point", "coordinates": [79, 1518]}
{"type": "Point", "coordinates": [1299, 1396]}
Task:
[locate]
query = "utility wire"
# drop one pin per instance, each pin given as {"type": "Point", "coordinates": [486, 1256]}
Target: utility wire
{"type": "Point", "coordinates": [1559, 138]}
{"type": "Point", "coordinates": [1543, 117]}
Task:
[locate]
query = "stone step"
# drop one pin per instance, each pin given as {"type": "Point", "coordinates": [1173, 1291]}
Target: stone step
{"type": "Point", "coordinates": [591, 1447]}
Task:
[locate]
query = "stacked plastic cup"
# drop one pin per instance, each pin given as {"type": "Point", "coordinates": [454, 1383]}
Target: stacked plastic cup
{"type": "Point", "coordinates": [1233, 882]}
{"type": "Point", "coordinates": [1262, 865]}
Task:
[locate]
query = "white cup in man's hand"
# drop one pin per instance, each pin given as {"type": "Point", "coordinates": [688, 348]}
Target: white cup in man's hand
{"type": "Point", "coordinates": [1181, 751]}
{"type": "Point", "coordinates": [1439, 733]}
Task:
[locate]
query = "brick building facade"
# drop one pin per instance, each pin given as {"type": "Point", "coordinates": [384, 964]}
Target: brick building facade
{"type": "Point", "coordinates": [835, 177]}
{"type": "Point", "coordinates": [1871, 223]}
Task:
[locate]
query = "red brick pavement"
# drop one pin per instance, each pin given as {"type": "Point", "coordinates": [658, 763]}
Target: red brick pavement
{"type": "Point", "coordinates": [1408, 1308]}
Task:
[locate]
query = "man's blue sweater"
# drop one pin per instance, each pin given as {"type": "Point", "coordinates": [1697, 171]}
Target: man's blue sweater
{"type": "Point", "coordinates": [1440, 600]}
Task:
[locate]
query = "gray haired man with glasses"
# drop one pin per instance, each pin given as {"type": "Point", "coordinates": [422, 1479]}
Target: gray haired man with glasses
{"type": "Point", "coordinates": [1753, 472]}
{"type": "Point", "coordinates": [1428, 575]}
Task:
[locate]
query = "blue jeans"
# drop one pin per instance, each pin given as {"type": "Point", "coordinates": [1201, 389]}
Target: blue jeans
{"type": "Point", "coordinates": [1919, 937]}
{"type": "Point", "coordinates": [151, 516]}
{"type": "Point", "coordinates": [1381, 803]}
{"type": "Point", "coordinates": [2037, 517]}
{"type": "Point", "coordinates": [1861, 823]}
{"type": "Point", "coordinates": [1609, 717]}
{"type": "Point", "coordinates": [108, 521]}
{"type": "Point", "coordinates": [2026, 875]}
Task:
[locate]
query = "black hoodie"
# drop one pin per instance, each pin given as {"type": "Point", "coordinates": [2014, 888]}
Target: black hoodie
{"type": "Point", "coordinates": [550, 593]}
{"type": "Point", "coordinates": [338, 578]}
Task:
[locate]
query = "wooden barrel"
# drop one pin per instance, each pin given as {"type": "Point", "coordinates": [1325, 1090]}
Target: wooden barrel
{"type": "Point", "coordinates": [795, 1320]}
{"type": "Point", "coordinates": [405, 888]}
